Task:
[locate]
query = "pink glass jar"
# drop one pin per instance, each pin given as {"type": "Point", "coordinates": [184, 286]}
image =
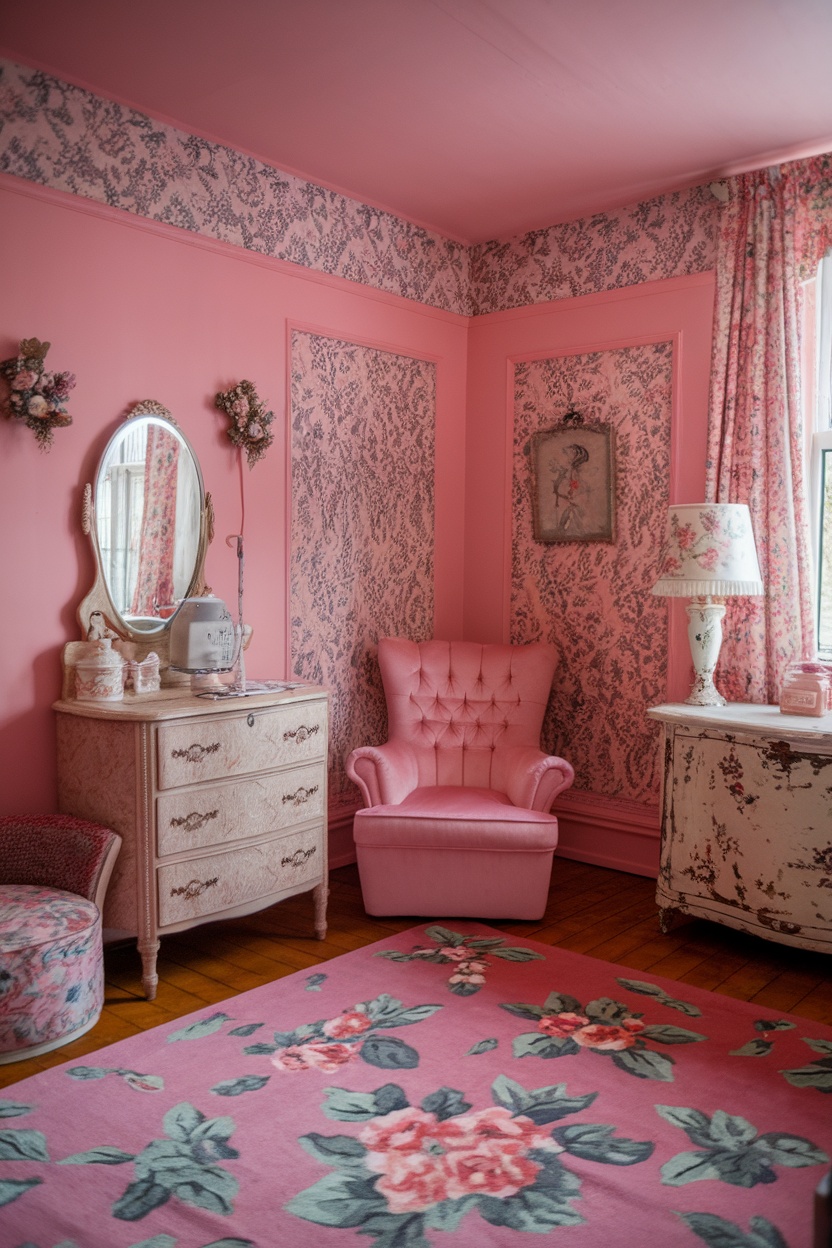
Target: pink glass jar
{"type": "Point", "coordinates": [807, 689]}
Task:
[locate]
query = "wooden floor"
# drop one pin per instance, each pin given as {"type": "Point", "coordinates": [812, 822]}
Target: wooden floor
{"type": "Point", "coordinates": [591, 910]}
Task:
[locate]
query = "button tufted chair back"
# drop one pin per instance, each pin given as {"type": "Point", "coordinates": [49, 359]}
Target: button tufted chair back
{"type": "Point", "coordinates": [459, 704]}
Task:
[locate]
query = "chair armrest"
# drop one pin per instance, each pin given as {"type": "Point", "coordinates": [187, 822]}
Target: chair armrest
{"type": "Point", "coordinates": [530, 778]}
{"type": "Point", "coordinates": [385, 774]}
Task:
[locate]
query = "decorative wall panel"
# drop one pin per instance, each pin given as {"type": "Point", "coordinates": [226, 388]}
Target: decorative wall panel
{"type": "Point", "coordinates": [592, 599]}
{"type": "Point", "coordinates": [362, 562]}
{"type": "Point", "coordinates": [67, 138]}
{"type": "Point", "coordinates": [671, 236]}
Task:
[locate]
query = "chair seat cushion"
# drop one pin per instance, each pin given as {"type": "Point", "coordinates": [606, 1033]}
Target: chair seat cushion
{"type": "Point", "coordinates": [51, 968]}
{"type": "Point", "coordinates": [454, 817]}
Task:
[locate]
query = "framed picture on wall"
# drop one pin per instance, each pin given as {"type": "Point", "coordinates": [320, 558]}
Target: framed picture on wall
{"type": "Point", "coordinates": [573, 482]}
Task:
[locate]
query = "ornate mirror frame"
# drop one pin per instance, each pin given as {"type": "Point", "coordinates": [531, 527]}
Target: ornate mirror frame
{"type": "Point", "coordinates": [97, 614]}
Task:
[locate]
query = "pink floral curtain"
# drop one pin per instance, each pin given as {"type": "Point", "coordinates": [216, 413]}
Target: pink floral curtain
{"type": "Point", "coordinates": [773, 230]}
{"type": "Point", "coordinates": [154, 582]}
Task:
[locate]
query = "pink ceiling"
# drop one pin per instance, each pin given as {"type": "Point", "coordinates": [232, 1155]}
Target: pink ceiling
{"type": "Point", "coordinates": [477, 118]}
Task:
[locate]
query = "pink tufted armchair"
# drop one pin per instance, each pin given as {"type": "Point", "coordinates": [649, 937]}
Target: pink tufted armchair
{"type": "Point", "coordinates": [457, 801]}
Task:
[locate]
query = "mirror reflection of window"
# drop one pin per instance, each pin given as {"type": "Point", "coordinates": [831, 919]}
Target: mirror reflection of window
{"type": "Point", "coordinates": [147, 512]}
{"type": "Point", "coordinates": [120, 509]}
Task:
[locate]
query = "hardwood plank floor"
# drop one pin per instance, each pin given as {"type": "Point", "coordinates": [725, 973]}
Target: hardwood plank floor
{"type": "Point", "coordinates": [592, 910]}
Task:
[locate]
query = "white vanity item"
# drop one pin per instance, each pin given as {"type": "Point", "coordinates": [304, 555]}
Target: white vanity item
{"type": "Point", "coordinates": [99, 673]}
{"type": "Point", "coordinates": [747, 821]}
{"type": "Point", "coordinates": [221, 805]}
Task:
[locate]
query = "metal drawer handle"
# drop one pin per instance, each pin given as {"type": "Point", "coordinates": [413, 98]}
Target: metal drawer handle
{"type": "Point", "coordinates": [250, 719]}
{"type": "Point", "coordinates": [300, 795]}
{"type": "Point", "coordinates": [299, 857]}
{"type": "Point", "coordinates": [193, 888]}
{"type": "Point", "coordinates": [299, 735]}
{"type": "Point", "coordinates": [195, 753]}
{"type": "Point", "coordinates": [194, 821]}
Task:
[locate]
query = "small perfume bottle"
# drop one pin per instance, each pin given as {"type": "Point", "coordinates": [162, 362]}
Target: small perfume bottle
{"type": "Point", "coordinates": [807, 689]}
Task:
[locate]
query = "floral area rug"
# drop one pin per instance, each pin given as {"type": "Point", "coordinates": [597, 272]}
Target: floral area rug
{"type": "Point", "coordinates": [447, 1086]}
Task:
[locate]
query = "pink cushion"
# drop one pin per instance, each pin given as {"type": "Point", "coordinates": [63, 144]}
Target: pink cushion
{"type": "Point", "coordinates": [457, 702]}
{"type": "Point", "coordinates": [51, 967]}
{"type": "Point", "coordinates": [446, 817]}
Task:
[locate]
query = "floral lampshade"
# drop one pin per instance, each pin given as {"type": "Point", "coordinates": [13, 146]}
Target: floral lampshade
{"type": "Point", "coordinates": [709, 551]}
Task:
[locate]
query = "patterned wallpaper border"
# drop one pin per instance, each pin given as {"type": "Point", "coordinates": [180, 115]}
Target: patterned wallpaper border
{"type": "Point", "coordinates": [66, 138]}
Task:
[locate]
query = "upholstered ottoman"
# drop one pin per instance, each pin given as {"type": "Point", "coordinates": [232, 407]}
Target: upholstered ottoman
{"type": "Point", "coordinates": [54, 871]}
{"type": "Point", "coordinates": [51, 968]}
{"type": "Point", "coordinates": [442, 844]}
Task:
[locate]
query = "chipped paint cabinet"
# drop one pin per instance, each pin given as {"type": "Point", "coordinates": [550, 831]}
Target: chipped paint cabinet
{"type": "Point", "coordinates": [221, 805]}
{"type": "Point", "coordinates": [747, 821]}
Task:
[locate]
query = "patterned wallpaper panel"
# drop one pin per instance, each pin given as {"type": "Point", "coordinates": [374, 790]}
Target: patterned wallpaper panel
{"type": "Point", "coordinates": [592, 599]}
{"type": "Point", "coordinates": [671, 236]}
{"type": "Point", "coordinates": [362, 559]}
{"type": "Point", "coordinates": [64, 137]}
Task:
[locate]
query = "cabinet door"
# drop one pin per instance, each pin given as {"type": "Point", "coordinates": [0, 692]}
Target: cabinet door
{"type": "Point", "coordinates": [750, 828]}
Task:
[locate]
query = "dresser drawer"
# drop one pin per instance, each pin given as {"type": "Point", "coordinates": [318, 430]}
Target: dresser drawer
{"type": "Point", "coordinates": [218, 882]}
{"type": "Point", "coordinates": [255, 739]}
{"type": "Point", "coordinates": [189, 819]}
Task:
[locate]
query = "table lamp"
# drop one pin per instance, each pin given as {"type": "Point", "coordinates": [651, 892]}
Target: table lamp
{"type": "Point", "coordinates": [709, 554]}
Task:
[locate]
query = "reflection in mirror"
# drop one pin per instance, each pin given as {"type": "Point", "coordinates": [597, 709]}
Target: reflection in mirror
{"type": "Point", "coordinates": [148, 519]}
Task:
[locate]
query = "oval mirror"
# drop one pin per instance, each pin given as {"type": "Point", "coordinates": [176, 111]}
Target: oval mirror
{"type": "Point", "coordinates": [149, 521]}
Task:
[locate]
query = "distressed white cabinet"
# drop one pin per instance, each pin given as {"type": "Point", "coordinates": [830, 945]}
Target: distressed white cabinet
{"type": "Point", "coordinates": [747, 821]}
{"type": "Point", "coordinates": [221, 805]}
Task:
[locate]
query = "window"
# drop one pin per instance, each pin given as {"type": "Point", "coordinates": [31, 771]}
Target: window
{"type": "Point", "coordinates": [821, 461]}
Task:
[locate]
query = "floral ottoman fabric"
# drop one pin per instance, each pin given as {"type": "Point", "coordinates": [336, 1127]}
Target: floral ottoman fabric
{"type": "Point", "coordinates": [51, 967]}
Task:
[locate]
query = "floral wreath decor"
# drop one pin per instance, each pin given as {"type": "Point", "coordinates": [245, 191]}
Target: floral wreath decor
{"type": "Point", "coordinates": [249, 429]}
{"type": "Point", "coordinates": [35, 396]}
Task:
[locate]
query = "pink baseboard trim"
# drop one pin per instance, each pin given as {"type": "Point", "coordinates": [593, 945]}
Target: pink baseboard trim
{"type": "Point", "coordinates": [607, 832]}
{"type": "Point", "coordinates": [341, 845]}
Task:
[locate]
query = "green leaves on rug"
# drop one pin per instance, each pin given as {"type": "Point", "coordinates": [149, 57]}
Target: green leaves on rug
{"type": "Point", "coordinates": [411, 1169]}
{"type": "Point", "coordinates": [469, 956]}
{"type": "Point", "coordinates": [730, 1149]}
{"type": "Point", "coordinates": [184, 1164]}
{"type": "Point", "coordinates": [606, 1026]}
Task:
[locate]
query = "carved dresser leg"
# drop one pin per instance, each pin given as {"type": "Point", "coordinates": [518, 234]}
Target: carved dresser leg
{"type": "Point", "coordinates": [320, 893]}
{"type": "Point", "coordinates": [148, 950]}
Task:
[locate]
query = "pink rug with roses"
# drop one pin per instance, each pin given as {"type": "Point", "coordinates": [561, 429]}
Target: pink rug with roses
{"type": "Point", "coordinates": [447, 1086]}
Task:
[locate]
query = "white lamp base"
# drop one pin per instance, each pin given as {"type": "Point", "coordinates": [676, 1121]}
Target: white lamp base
{"type": "Point", "coordinates": [705, 637]}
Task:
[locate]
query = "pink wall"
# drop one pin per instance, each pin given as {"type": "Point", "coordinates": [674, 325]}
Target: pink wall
{"type": "Point", "coordinates": [616, 831]}
{"type": "Point", "coordinates": [140, 310]}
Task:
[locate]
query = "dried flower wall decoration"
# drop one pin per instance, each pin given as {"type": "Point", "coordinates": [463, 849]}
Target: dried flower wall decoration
{"type": "Point", "coordinates": [35, 396]}
{"type": "Point", "coordinates": [250, 420]}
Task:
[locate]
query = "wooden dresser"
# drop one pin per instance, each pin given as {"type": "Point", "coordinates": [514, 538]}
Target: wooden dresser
{"type": "Point", "coordinates": [747, 820]}
{"type": "Point", "coordinates": [221, 805]}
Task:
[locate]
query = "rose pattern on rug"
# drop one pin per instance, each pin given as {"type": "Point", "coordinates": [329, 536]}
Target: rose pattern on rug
{"type": "Point", "coordinates": [603, 1025]}
{"type": "Point", "coordinates": [332, 1042]}
{"type": "Point", "coordinates": [412, 1168]}
{"type": "Point", "coordinates": [467, 954]}
{"type": "Point", "coordinates": [130, 1149]}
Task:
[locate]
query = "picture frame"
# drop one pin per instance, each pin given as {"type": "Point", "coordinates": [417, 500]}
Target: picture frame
{"type": "Point", "coordinates": [573, 481]}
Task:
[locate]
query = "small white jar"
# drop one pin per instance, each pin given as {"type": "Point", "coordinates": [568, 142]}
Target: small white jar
{"type": "Point", "coordinates": [99, 674]}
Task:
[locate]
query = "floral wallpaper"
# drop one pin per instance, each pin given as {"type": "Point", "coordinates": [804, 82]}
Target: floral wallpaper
{"type": "Point", "coordinates": [592, 599]}
{"type": "Point", "coordinates": [671, 236]}
{"type": "Point", "coordinates": [67, 138]}
{"type": "Point", "coordinates": [362, 526]}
